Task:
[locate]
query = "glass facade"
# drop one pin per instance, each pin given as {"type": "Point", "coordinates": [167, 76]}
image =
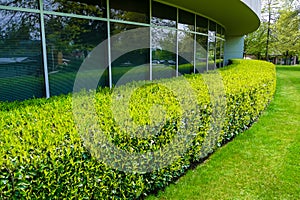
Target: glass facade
{"type": "Point", "coordinates": [128, 66]}
{"type": "Point", "coordinates": [185, 52]}
{"type": "Point", "coordinates": [201, 54]}
{"type": "Point", "coordinates": [33, 4]}
{"type": "Point", "coordinates": [79, 7]}
{"type": "Point", "coordinates": [21, 67]}
{"type": "Point", "coordinates": [69, 40]}
{"type": "Point", "coordinates": [201, 24]}
{"type": "Point", "coordinates": [163, 40]}
{"type": "Point", "coordinates": [163, 15]}
{"type": "Point", "coordinates": [163, 52]}
{"type": "Point", "coordinates": [130, 10]}
{"type": "Point", "coordinates": [186, 35]}
{"type": "Point", "coordinates": [44, 43]}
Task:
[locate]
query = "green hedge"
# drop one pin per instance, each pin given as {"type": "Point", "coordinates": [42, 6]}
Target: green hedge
{"type": "Point", "coordinates": [43, 154]}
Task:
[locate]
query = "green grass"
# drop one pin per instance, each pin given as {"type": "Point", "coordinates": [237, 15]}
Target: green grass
{"type": "Point", "coordinates": [261, 163]}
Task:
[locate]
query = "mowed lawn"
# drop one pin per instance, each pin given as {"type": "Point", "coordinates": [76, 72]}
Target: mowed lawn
{"type": "Point", "coordinates": [261, 163]}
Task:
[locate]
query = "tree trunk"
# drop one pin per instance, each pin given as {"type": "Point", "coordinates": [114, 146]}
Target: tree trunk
{"type": "Point", "coordinates": [269, 31]}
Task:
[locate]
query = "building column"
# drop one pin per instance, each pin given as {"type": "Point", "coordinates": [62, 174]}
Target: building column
{"type": "Point", "coordinates": [234, 48]}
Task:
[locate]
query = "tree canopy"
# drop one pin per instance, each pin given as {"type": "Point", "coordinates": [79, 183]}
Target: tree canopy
{"type": "Point", "coordinates": [279, 33]}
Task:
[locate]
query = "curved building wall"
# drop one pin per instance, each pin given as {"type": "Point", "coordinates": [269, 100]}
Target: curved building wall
{"type": "Point", "coordinates": [234, 45]}
{"type": "Point", "coordinates": [237, 16]}
{"type": "Point", "coordinates": [43, 43]}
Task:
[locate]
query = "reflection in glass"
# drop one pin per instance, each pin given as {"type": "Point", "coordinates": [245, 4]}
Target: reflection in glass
{"type": "Point", "coordinates": [21, 71]}
{"type": "Point", "coordinates": [218, 53]}
{"type": "Point", "coordinates": [212, 46]}
{"type": "Point", "coordinates": [202, 24]}
{"type": "Point", "coordinates": [221, 58]}
{"type": "Point", "coordinates": [222, 32]}
{"type": "Point", "coordinates": [212, 56]}
{"type": "Point", "coordinates": [131, 10]}
{"type": "Point", "coordinates": [186, 21]}
{"type": "Point", "coordinates": [133, 65]}
{"type": "Point", "coordinates": [163, 15]}
{"type": "Point", "coordinates": [185, 52]}
{"type": "Point", "coordinates": [212, 26]}
{"type": "Point", "coordinates": [69, 42]}
{"type": "Point", "coordinates": [79, 7]}
{"type": "Point", "coordinates": [201, 53]}
{"type": "Point", "coordinates": [163, 53]}
{"type": "Point", "coordinates": [20, 3]}
{"type": "Point", "coordinates": [219, 30]}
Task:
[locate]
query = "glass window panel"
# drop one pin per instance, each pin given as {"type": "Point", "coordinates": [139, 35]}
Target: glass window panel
{"type": "Point", "coordinates": [79, 7]}
{"type": "Point", "coordinates": [163, 15]}
{"type": "Point", "coordinates": [20, 3]}
{"type": "Point", "coordinates": [132, 65]}
{"type": "Point", "coordinates": [163, 53]}
{"type": "Point", "coordinates": [185, 52]}
{"type": "Point", "coordinates": [186, 21]}
{"type": "Point", "coordinates": [212, 56]}
{"type": "Point", "coordinates": [218, 53]}
{"type": "Point", "coordinates": [130, 10]}
{"type": "Point", "coordinates": [222, 54]}
{"type": "Point", "coordinates": [201, 53]}
{"type": "Point", "coordinates": [222, 32]}
{"type": "Point", "coordinates": [202, 24]}
{"type": "Point", "coordinates": [69, 42]}
{"type": "Point", "coordinates": [212, 26]}
{"type": "Point", "coordinates": [219, 30]}
{"type": "Point", "coordinates": [21, 70]}
{"type": "Point", "coordinates": [212, 47]}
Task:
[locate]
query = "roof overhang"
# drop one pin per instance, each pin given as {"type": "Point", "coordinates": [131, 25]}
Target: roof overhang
{"type": "Point", "coordinates": [236, 16]}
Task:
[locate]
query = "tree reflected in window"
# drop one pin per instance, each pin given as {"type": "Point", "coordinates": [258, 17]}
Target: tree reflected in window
{"type": "Point", "coordinates": [133, 65]}
{"type": "Point", "coordinates": [21, 71]}
{"type": "Point", "coordinates": [163, 53]}
{"type": "Point", "coordinates": [74, 28]}
{"type": "Point", "coordinates": [163, 15]}
{"type": "Point", "coordinates": [69, 42]}
{"type": "Point", "coordinates": [132, 10]}
{"type": "Point", "coordinates": [185, 52]}
{"type": "Point", "coordinates": [20, 3]}
{"type": "Point", "coordinates": [202, 24]}
{"type": "Point", "coordinates": [186, 21]}
{"type": "Point", "coordinates": [79, 7]}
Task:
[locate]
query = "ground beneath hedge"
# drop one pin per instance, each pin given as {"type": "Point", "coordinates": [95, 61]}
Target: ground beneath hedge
{"type": "Point", "coordinates": [262, 163]}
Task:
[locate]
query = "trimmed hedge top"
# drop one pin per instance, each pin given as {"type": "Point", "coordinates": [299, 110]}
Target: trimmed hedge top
{"type": "Point", "coordinates": [45, 154]}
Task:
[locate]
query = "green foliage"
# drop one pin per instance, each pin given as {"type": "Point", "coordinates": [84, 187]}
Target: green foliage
{"type": "Point", "coordinates": [279, 31]}
{"type": "Point", "coordinates": [288, 22]}
{"type": "Point", "coordinates": [255, 43]}
{"type": "Point", "coordinates": [250, 86]}
{"type": "Point", "coordinates": [43, 154]}
{"type": "Point", "coordinates": [261, 163]}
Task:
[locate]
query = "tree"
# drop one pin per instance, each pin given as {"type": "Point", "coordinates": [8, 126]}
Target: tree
{"type": "Point", "coordinates": [279, 30]}
{"type": "Point", "coordinates": [258, 42]}
{"type": "Point", "coordinates": [68, 33]}
{"type": "Point", "coordinates": [255, 43]}
{"type": "Point", "coordinates": [287, 31]}
{"type": "Point", "coordinates": [271, 9]}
